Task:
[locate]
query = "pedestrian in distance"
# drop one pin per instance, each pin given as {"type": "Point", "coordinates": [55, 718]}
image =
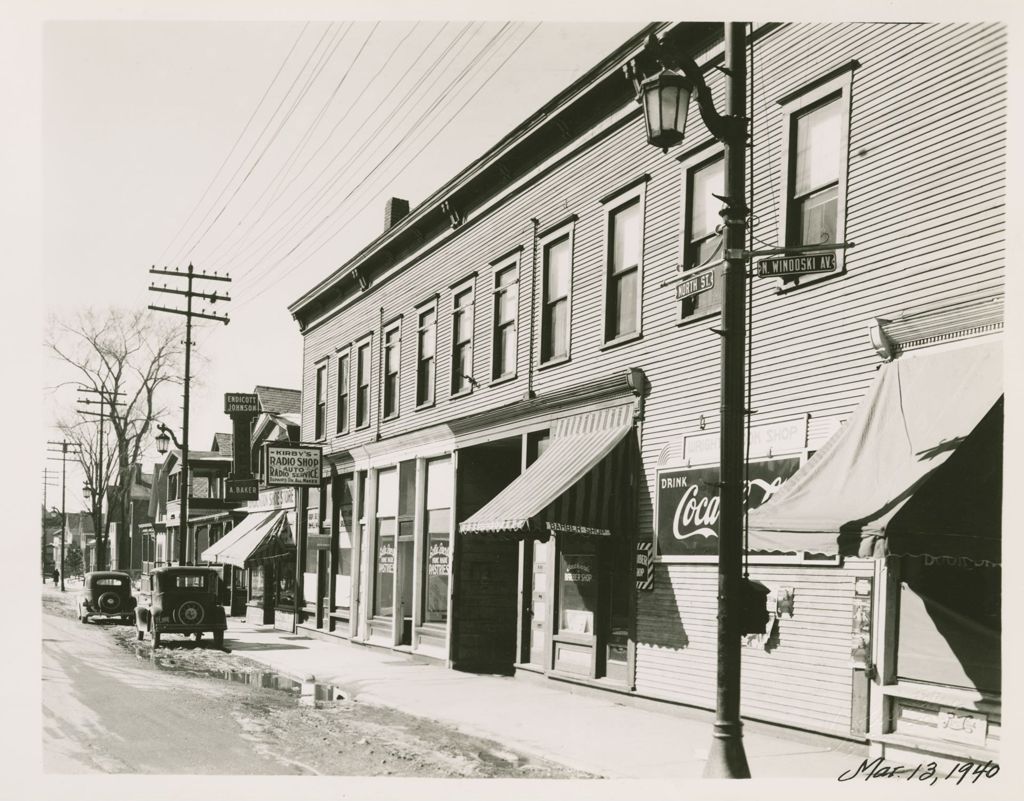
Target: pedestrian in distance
{"type": "Point", "coordinates": [56, 576]}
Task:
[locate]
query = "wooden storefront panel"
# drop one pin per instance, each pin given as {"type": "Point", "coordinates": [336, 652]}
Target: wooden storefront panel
{"type": "Point", "coordinates": [804, 680]}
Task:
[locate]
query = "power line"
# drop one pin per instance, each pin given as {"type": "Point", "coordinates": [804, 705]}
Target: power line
{"type": "Point", "coordinates": [277, 234]}
{"type": "Point", "coordinates": [235, 145]}
{"type": "Point", "coordinates": [289, 163]}
{"type": "Point", "coordinates": [290, 270]}
{"type": "Point", "coordinates": [414, 126]}
{"type": "Point", "coordinates": [259, 137]}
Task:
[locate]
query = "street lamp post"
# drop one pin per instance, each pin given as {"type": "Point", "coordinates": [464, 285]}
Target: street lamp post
{"type": "Point", "coordinates": [163, 441]}
{"type": "Point", "coordinates": [665, 97]}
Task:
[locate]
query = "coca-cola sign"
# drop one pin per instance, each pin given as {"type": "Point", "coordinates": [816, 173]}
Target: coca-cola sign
{"type": "Point", "coordinates": [688, 503]}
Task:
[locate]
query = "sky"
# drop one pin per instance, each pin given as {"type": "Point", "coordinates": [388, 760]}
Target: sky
{"type": "Point", "coordinates": [264, 149]}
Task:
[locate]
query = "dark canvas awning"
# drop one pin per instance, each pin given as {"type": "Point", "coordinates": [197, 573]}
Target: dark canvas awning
{"type": "Point", "coordinates": [240, 544]}
{"type": "Point", "coordinates": [578, 485]}
{"type": "Point", "coordinates": [921, 407]}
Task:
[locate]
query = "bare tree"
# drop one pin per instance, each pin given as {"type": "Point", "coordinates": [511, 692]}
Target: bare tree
{"type": "Point", "coordinates": [129, 356]}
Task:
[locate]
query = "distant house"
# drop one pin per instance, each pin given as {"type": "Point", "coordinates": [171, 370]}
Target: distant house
{"type": "Point", "coordinates": [128, 546]}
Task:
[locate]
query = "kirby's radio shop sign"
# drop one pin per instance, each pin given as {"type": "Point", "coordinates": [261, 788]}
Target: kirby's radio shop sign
{"type": "Point", "coordinates": [688, 504]}
{"type": "Point", "coordinates": [293, 466]}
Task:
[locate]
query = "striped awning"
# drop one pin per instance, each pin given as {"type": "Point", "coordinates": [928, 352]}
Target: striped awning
{"type": "Point", "coordinates": [239, 545]}
{"type": "Point", "coordinates": [580, 484]}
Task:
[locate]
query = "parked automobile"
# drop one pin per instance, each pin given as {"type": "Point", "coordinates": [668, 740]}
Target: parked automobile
{"type": "Point", "coordinates": [180, 600]}
{"type": "Point", "coordinates": [106, 594]}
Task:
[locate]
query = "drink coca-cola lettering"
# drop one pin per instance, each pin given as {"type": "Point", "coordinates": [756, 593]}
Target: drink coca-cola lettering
{"type": "Point", "coordinates": [689, 503]}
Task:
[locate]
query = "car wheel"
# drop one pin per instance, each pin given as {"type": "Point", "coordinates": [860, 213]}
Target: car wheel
{"type": "Point", "coordinates": [156, 639]}
{"type": "Point", "coordinates": [190, 613]}
{"type": "Point", "coordinates": [218, 640]}
{"type": "Point", "coordinates": [109, 602]}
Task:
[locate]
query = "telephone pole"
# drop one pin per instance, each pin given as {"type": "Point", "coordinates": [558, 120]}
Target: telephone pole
{"type": "Point", "coordinates": [108, 398]}
{"type": "Point", "coordinates": [189, 293]}
{"type": "Point", "coordinates": [63, 495]}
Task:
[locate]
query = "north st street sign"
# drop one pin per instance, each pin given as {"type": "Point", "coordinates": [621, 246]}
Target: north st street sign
{"type": "Point", "coordinates": [695, 285]}
{"type": "Point", "coordinates": [804, 264]}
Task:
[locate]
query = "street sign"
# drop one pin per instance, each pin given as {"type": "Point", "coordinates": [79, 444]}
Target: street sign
{"type": "Point", "coordinates": [243, 489]}
{"type": "Point", "coordinates": [241, 403]}
{"type": "Point", "coordinates": [804, 264]}
{"type": "Point", "coordinates": [293, 465]}
{"type": "Point", "coordinates": [696, 284]}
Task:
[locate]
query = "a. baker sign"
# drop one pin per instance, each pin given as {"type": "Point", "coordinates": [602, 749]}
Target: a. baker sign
{"type": "Point", "coordinates": [293, 466]}
{"type": "Point", "coordinates": [688, 503]}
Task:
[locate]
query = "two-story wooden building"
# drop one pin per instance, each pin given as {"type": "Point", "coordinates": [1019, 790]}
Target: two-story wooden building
{"type": "Point", "coordinates": [519, 416]}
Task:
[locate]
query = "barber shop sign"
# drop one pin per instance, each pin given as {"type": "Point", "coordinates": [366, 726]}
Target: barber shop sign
{"type": "Point", "coordinates": [688, 502]}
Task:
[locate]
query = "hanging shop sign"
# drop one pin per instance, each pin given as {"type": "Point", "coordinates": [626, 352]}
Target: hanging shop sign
{"type": "Point", "coordinates": [241, 403]}
{"type": "Point", "coordinates": [804, 264]}
{"type": "Point", "coordinates": [765, 440]}
{"type": "Point", "coordinates": [293, 466]}
{"type": "Point", "coordinates": [645, 566]}
{"type": "Point", "coordinates": [688, 501]}
{"type": "Point", "coordinates": [437, 559]}
{"type": "Point", "coordinates": [241, 489]}
{"type": "Point", "coordinates": [695, 285]}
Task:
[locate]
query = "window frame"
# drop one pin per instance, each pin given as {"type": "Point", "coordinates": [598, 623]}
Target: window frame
{"type": "Point", "coordinates": [394, 327]}
{"type": "Point", "coordinates": [468, 285]}
{"type": "Point", "coordinates": [500, 266]}
{"type": "Point", "coordinates": [344, 353]}
{"type": "Point", "coordinates": [427, 307]}
{"type": "Point", "coordinates": [553, 236]}
{"type": "Point", "coordinates": [837, 84]}
{"type": "Point", "coordinates": [364, 342]}
{"type": "Point", "coordinates": [321, 378]}
{"type": "Point", "coordinates": [689, 164]}
{"type": "Point", "coordinates": [635, 193]}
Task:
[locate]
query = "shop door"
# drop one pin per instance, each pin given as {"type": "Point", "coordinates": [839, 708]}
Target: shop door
{"type": "Point", "coordinates": [323, 564]}
{"type": "Point", "coordinates": [577, 619]}
{"type": "Point", "coordinates": [538, 568]}
{"type": "Point", "coordinates": [269, 591]}
{"type": "Point", "coordinates": [405, 572]}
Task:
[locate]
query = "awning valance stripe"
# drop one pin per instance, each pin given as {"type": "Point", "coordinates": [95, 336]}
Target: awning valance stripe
{"type": "Point", "coordinates": [570, 485]}
{"type": "Point", "coordinates": [921, 407]}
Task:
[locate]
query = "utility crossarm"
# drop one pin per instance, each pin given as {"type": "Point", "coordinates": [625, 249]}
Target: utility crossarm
{"type": "Point", "coordinates": [224, 320]}
{"type": "Point", "coordinates": [213, 298]}
{"type": "Point", "coordinates": [180, 274]}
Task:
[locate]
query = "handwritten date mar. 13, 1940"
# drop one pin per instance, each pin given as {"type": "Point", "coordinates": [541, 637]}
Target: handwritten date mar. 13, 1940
{"type": "Point", "coordinates": [923, 772]}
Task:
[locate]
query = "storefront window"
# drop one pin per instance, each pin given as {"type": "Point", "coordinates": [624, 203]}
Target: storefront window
{"type": "Point", "coordinates": [286, 581]}
{"type": "Point", "coordinates": [343, 565]}
{"type": "Point", "coordinates": [577, 578]}
{"type": "Point", "coordinates": [950, 622]}
{"type": "Point", "coordinates": [437, 564]}
{"type": "Point", "coordinates": [256, 591]}
{"type": "Point", "coordinates": [384, 556]}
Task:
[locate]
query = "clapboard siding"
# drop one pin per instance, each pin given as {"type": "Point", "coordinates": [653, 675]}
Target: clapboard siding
{"type": "Point", "coordinates": [806, 680]}
{"type": "Point", "coordinates": [925, 205]}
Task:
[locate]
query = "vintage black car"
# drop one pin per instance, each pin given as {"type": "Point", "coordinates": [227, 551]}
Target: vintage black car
{"type": "Point", "coordinates": [181, 600]}
{"type": "Point", "coordinates": [106, 594]}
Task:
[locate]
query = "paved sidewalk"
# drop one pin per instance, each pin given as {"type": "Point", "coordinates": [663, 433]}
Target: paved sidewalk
{"type": "Point", "coordinates": [595, 734]}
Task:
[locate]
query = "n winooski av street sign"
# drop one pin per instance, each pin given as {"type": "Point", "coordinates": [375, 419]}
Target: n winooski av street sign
{"type": "Point", "coordinates": [804, 264]}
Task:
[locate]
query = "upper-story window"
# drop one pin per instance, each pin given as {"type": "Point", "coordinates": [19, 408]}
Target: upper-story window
{"type": "Point", "coordinates": [462, 339]}
{"type": "Point", "coordinates": [703, 218]}
{"type": "Point", "coordinates": [702, 238]}
{"type": "Point", "coordinates": [814, 160]}
{"type": "Point", "coordinates": [321, 402]}
{"type": "Point", "coordinates": [624, 264]}
{"type": "Point", "coordinates": [556, 294]}
{"type": "Point", "coordinates": [342, 412]}
{"type": "Point", "coordinates": [506, 305]}
{"type": "Point", "coordinates": [363, 384]}
{"type": "Point", "coordinates": [391, 371]}
{"type": "Point", "coordinates": [816, 134]}
{"type": "Point", "coordinates": [173, 487]}
{"type": "Point", "coordinates": [426, 347]}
